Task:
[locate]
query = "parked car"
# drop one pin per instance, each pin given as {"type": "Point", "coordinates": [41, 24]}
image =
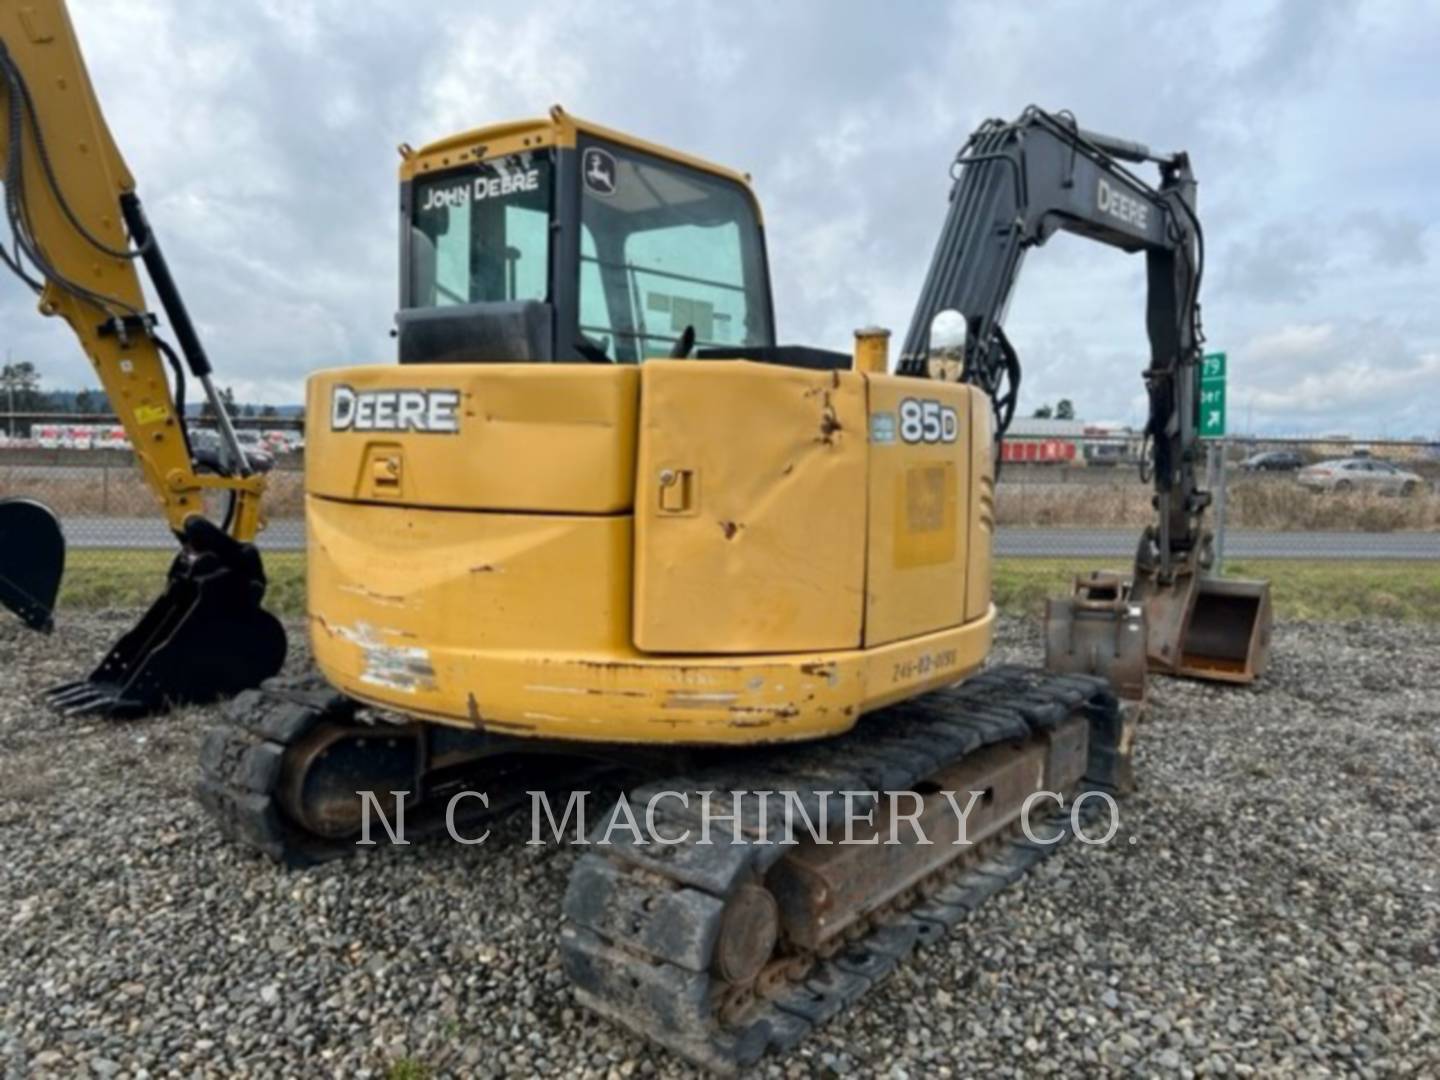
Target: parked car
{"type": "Point", "coordinates": [1273, 461]}
{"type": "Point", "coordinates": [205, 445]}
{"type": "Point", "coordinates": [278, 442]}
{"type": "Point", "coordinates": [1360, 474]}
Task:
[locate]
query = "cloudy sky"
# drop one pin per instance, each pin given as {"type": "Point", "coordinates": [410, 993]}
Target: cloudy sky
{"type": "Point", "coordinates": [263, 135]}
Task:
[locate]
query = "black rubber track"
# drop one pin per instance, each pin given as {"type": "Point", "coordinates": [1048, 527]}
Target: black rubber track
{"type": "Point", "coordinates": [641, 921]}
{"type": "Point", "coordinates": [240, 765]}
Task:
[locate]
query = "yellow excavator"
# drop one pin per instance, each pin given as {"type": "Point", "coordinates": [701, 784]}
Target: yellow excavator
{"type": "Point", "coordinates": [598, 514]}
{"type": "Point", "coordinates": [77, 233]}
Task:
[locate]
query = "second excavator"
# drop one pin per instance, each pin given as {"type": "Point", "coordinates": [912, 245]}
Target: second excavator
{"type": "Point", "coordinates": [77, 232]}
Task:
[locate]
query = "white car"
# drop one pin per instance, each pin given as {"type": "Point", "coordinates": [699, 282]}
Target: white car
{"type": "Point", "coordinates": [1360, 474]}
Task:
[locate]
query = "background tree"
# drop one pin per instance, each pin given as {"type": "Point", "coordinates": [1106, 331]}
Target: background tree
{"type": "Point", "coordinates": [1064, 409]}
{"type": "Point", "coordinates": [1044, 412]}
{"type": "Point", "coordinates": [21, 384]}
{"type": "Point", "coordinates": [91, 402]}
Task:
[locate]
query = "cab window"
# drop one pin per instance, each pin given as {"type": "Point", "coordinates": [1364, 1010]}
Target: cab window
{"type": "Point", "coordinates": [663, 248]}
{"type": "Point", "coordinates": [482, 233]}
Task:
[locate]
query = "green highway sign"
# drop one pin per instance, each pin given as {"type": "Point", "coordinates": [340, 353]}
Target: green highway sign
{"type": "Point", "coordinates": [1212, 396]}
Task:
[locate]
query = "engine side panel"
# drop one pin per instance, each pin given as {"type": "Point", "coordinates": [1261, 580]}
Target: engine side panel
{"type": "Point", "coordinates": [750, 508]}
{"type": "Point", "coordinates": [919, 507]}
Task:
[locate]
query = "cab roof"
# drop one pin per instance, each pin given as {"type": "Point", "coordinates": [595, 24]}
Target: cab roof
{"type": "Point", "coordinates": [558, 129]}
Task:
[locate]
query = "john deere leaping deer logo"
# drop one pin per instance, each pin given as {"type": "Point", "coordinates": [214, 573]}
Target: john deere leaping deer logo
{"type": "Point", "coordinates": [599, 171]}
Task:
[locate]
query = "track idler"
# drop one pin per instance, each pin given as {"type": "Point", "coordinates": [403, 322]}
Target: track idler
{"type": "Point", "coordinates": [32, 560]}
{"type": "Point", "coordinates": [205, 638]}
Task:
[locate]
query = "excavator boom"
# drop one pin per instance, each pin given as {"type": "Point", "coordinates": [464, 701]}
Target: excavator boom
{"type": "Point", "coordinates": [77, 231]}
{"type": "Point", "coordinates": [1019, 182]}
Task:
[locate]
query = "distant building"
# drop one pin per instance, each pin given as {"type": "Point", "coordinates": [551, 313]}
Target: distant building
{"type": "Point", "coordinates": [1042, 441]}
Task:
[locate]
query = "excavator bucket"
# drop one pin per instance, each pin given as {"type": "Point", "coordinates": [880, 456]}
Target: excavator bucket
{"type": "Point", "coordinates": [32, 560]}
{"type": "Point", "coordinates": [1205, 627]}
{"type": "Point", "coordinates": [205, 638]}
{"type": "Point", "coordinates": [1098, 630]}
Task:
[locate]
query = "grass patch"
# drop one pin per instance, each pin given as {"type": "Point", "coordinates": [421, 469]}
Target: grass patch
{"type": "Point", "coordinates": [1332, 590]}
{"type": "Point", "coordinates": [1301, 588]}
{"type": "Point", "coordinates": [106, 578]}
{"type": "Point", "coordinates": [1319, 589]}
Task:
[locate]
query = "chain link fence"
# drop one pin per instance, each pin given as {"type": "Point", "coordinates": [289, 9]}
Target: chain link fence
{"type": "Point", "coordinates": [1329, 498]}
{"type": "Point", "coordinates": [1288, 498]}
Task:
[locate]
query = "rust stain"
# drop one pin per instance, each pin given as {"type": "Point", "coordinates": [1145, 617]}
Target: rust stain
{"type": "Point", "coordinates": [602, 665]}
{"type": "Point", "coordinates": [829, 426]}
{"type": "Point", "coordinates": [789, 468]}
{"type": "Point", "coordinates": [835, 378]}
{"type": "Point", "coordinates": [750, 723]}
{"type": "Point", "coordinates": [683, 671]}
{"type": "Point", "coordinates": [473, 708]}
{"type": "Point", "coordinates": [775, 712]}
{"type": "Point", "coordinates": [820, 670]}
{"type": "Point", "coordinates": [731, 528]}
{"type": "Point", "coordinates": [484, 568]}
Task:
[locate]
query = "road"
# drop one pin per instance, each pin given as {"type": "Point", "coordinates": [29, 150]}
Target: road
{"type": "Point", "coordinates": [289, 535]}
{"type": "Point", "coordinates": [1239, 544]}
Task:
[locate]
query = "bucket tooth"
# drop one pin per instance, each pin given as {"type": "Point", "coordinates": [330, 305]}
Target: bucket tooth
{"type": "Point", "coordinates": [205, 638]}
{"type": "Point", "coordinates": [32, 561]}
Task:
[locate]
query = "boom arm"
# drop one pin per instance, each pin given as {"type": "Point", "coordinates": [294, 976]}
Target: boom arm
{"type": "Point", "coordinates": [1017, 183]}
{"type": "Point", "coordinates": [73, 213]}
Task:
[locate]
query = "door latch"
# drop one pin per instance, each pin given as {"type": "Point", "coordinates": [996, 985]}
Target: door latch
{"type": "Point", "coordinates": [677, 491]}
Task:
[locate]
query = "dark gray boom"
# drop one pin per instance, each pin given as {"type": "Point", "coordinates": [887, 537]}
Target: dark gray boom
{"type": "Point", "coordinates": [1016, 184]}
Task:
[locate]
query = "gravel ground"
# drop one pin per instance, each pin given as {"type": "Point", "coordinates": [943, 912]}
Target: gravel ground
{"type": "Point", "coordinates": [1270, 907]}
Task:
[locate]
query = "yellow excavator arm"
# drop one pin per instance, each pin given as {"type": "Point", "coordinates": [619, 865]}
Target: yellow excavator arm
{"type": "Point", "coordinates": [77, 230]}
{"type": "Point", "coordinates": [68, 195]}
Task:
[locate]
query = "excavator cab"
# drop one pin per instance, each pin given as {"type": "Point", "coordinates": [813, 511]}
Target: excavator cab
{"type": "Point", "coordinates": [564, 243]}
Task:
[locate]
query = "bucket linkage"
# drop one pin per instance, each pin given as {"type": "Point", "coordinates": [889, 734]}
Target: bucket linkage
{"type": "Point", "coordinates": [205, 638]}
